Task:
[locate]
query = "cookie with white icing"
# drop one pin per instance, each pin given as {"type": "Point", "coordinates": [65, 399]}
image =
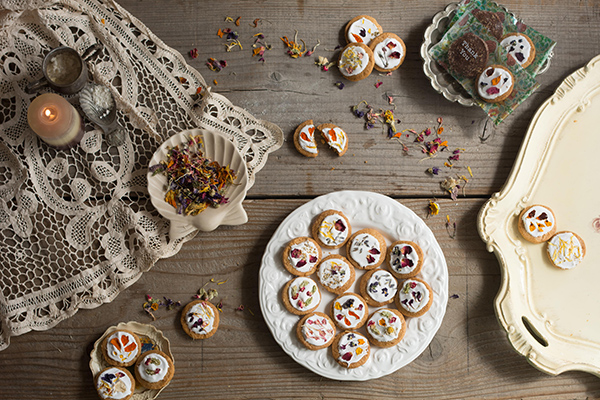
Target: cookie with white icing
{"type": "Point", "coordinates": [335, 137]}
{"type": "Point", "coordinates": [495, 84]}
{"type": "Point", "coordinates": [389, 52]}
{"type": "Point", "coordinates": [565, 249]}
{"type": "Point", "coordinates": [468, 55]}
{"type": "Point", "coordinates": [336, 274]}
{"type": "Point", "coordinates": [121, 348]}
{"type": "Point", "coordinates": [349, 311]}
{"type": "Point", "coordinates": [301, 295]}
{"type": "Point", "coordinates": [386, 327]}
{"type": "Point", "coordinates": [115, 383]}
{"type": "Point", "coordinates": [366, 249]}
{"type": "Point", "coordinates": [414, 297]}
{"type": "Point", "coordinates": [519, 47]}
{"type": "Point", "coordinates": [362, 29]}
{"type": "Point", "coordinates": [537, 223]}
{"type": "Point", "coordinates": [304, 139]}
{"type": "Point", "coordinates": [331, 229]}
{"type": "Point", "coordinates": [315, 331]}
{"type": "Point", "coordinates": [350, 349]}
{"type": "Point", "coordinates": [200, 319]}
{"type": "Point", "coordinates": [301, 256]}
{"type": "Point", "coordinates": [356, 61]}
{"type": "Point", "coordinates": [378, 287]}
{"type": "Point", "coordinates": [405, 259]}
{"type": "Point", "coordinates": [154, 369]}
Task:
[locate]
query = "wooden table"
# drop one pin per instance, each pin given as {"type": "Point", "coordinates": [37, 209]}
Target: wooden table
{"type": "Point", "coordinates": [470, 357]}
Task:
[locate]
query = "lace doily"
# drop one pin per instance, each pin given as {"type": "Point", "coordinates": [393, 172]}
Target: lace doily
{"type": "Point", "coordinates": [77, 226]}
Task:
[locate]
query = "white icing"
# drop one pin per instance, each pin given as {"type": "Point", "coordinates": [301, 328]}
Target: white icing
{"type": "Point", "coordinates": [352, 347]}
{"type": "Point", "coordinates": [336, 138]}
{"type": "Point", "coordinates": [334, 273]}
{"type": "Point", "coordinates": [303, 294]}
{"type": "Point", "coordinates": [565, 250]}
{"type": "Point", "coordinates": [382, 286]}
{"type": "Point", "coordinates": [122, 347]}
{"type": "Point", "coordinates": [365, 249]}
{"type": "Point", "coordinates": [303, 256]}
{"type": "Point", "coordinates": [317, 330]}
{"type": "Point", "coordinates": [349, 311]}
{"type": "Point", "coordinates": [384, 325]}
{"type": "Point", "coordinates": [153, 368]}
{"type": "Point", "coordinates": [413, 295]}
{"type": "Point", "coordinates": [537, 221]}
{"type": "Point", "coordinates": [306, 139]}
{"type": "Point", "coordinates": [404, 258]}
{"type": "Point", "coordinates": [388, 53]}
{"type": "Point", "coordinates": [329, 233]}
{"type": "Point", "coordinates": [114, 384]}
{"type": "Point", "coordinates": [362, 31]}
{"type": "Point", "coordinates": [518, 47]}
{"type": "Point", "coordinates": [494, 82]}
{"type": "Point", "coordinates": [200, 318]}
{"type": "Point", "coordinates": [353, 61]}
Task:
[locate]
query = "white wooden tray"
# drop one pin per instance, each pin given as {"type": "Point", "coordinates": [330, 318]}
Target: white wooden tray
{"type": "Point", "coordinates": [551, 315]}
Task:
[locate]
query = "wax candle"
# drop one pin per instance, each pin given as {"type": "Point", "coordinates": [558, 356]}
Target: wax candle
{"type": "Point", "coordinates": [55, 121]}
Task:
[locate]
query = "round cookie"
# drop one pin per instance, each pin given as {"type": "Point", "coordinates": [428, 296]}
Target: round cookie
{"type": "Point", "coordinates": [378, 287]}
{"type": "Point", "coordinates": [405, 259]}
{"type": "Point", "coordinates": [519, 47]}
{"type": "Point", "coordinates": [350, 349]}
{"type": "Point", "coordinates": [349, 311]}
{"type": "Point", "coordinates": [491, 21]}
{"type": "Point", "coordinates": [495, 84]}
{"type": "Point", "coordinates": [301, 256]}
{"type": "Point", "coordinates": [121, 348]}
{"type": "Point", "coordinates": [414, 297]}
{"type": "Point", "coordinates": [468, 55]}
{"type": "Point", "coordinates": [536, 223]}
{"type": "Point", "coordinates": [356, 61]}
{"type": "Point", "coordinates": [304, 139]}
{"type": "Point", "coordinates": [565, 249]}
{"type": "Point", "coordinates": [115, 383]}
{"type": "Point", "coordinates": [336, 274]}
{"type": "Point", "coordinates": [335, 137]}
{"type": "Point", "coordinates": [366, 249]}
{"type": "Point", "coordinates": [362, 29]}
{"type": "Point", "coordinates": [200, 319]}
{"type": "Point", "coordinates": [154, 369]}
{"type": "Point", "coordinates": [315, 331]}
{"type": "Point", "coordinates": [388, 51]}
{"type": "Point", "coordinates": [386, 327]}
{"type": "Point", "coordinates": [301, 296]}
{"type": "Point", "coordinates": [331, 229]}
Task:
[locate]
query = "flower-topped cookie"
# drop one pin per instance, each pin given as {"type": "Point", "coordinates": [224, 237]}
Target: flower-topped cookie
{"type": "Point", "coordinates": [331, 229]}
{"type": "Point", "coordinates": [121, 348]}
{"type": "Point", "coordinates": [386, 327]}
{"type": "Point", "coordinates": [115, 383]}
{"type": "Point", "coordinates": [495, 84]}
{"type": "Point", "coordinates": [200, 319]}
{"type": "Point", "coordinates": [304, 139]}
{"type": "Point", "coordinates": [565, 249]}
{"type": "Point", "coordinates": [378, 287]}
{"type": "Point", "coordinates": [356, 61]}
{"type": "Point", "coordinates": [301, 256]}
{"type": "Point", "coordinates": [349, 311]}
{"type": "Point", "coordinates": [519, 47]}
{"type": "Point", "coordinates": [389, 52]}
{"type": "Point", "coordinates": [537, 223]}
{"type": "Point", "coordinates": [335, 137]}
{"type": "Point", "coordinates": [301, 296]}
{"type": "Point", "coordinates": [362, 29]}
{"type": "Point", "coordinates": [350, 349]}
{"type": "Point", "coordinates": [414, 297]}
{"type": "Point", "coordinates": [336, 274]}
{"type": "Point", "coordinates": [405, 259]}
{"type": "Point", "coordinates": [315, 331]}
{"type": "Point", "coordinates": [366, 249]}
{"type": "Point", "coordinates": [154, 369]}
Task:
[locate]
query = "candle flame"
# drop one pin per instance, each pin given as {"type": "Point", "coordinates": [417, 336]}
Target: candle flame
{"type": "Point", "coordinates": [50, 113]}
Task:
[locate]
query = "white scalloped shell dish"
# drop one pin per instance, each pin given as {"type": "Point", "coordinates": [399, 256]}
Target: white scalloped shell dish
{"type": "Point", "coordinates": [151, 339]}
{"type": "Point", "coordinates": [364, 210]}
{"type": "Point", "coordinates": [551, 315]}
{"type": "Point", "coordinates": [217, 148]}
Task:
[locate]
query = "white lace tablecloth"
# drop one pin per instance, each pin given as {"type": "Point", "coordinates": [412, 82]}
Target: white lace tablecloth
{"type": "Point", "coordinates": [77, 226]}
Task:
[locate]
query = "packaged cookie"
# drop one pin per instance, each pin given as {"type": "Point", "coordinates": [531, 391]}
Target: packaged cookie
{"type": "Point", "coordinates": [121, 348]}
{"type": "Point", "coordinates": [537, 223]}
{"type": "Point", "coordinates": [519, 47]}
{"type": "Point", "coordinates": [565, 249]}
{"type": "Point", "coordinates": [389, 52]}
{"type": "Point", "coordinates": [349, 311]}
{"type": "Point", "coordinates": [386, 327]}
{"type": "Point", "coordinates": [356, 61]}
{"type": "Point", "coordinates": [378, 287]}
{"type": "Point", "coordinates": [335, 137]}
{"type": "Point", "coordinates": [405, 259]}
{"type": "Point", "coordinates": [331, 229]}
{"type": "Point", "coordinates": [350, 349]}
{"type": "Point", "coordinates": [301, 296]}
{"type": "Point", "coordinates": [154, 369]}
{"type": "Point", "coordinates": [414, 297]}
{"type": "Point", "coordinates": [115, 383]}
{"type": "Point", "coordinates": [366, 249]}
{"type": "Point", "coordinates": [315, 331]}
{"type": "Point", "coordinates": [336, 274]}
{"type": "Point", "coordinates": [301, 256]}
{"type": "Point", "coordinates": [495, 83]}
{"type": "Point", "coordinates": [362, 29]}
{"type": "Point", "coordinates": [304, 139]}
{"type": "Point", "coordinates": [200, 319]}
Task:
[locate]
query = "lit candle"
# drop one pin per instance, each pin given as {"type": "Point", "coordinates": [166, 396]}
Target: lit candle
{"type": "Point", "coordinates": [55, 121]}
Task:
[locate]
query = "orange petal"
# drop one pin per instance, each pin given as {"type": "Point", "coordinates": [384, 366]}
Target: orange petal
{"type": "Point", "coordinates": [131, 347]}
{"type": "Point", "coordinates": [304, 136]}
{"type": "Point", "coordinates": [357, 38]}
{"type": "Point", "coordinates": [124, 340]}
{"type": "Point", "coordinates": [496, 81]}
{"type": "Point", "coordinates": [311, 130]}
{"type": "Point", "coordinates": [115, 343]}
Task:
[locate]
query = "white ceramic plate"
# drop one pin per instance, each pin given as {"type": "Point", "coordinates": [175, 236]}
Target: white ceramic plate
{"type": "Point", "coordinates": [364, 210]}
{"type": "Point", "coordinates": [551, 315]}
{"type": "Point", "coordinates": [150, 337]}
{"type": "Point", "coordinates": [218, 148]}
